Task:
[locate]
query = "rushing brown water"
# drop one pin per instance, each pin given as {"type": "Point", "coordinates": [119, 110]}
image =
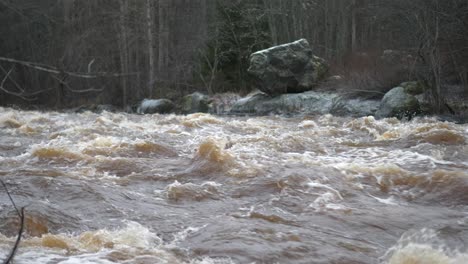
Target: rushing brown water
{"type": "Point", "coordinates": [119, 188]}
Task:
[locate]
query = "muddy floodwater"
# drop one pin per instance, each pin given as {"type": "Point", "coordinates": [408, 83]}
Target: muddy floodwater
{"type": "Point", "coordinates": [122, 188]}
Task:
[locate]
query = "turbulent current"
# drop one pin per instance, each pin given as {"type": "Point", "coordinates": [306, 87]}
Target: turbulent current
{"type": "Point", "coordinates": [121, 188]}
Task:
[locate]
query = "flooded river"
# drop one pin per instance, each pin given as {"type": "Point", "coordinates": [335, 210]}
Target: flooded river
{"type": "Point", "coordinates": [121, 188]}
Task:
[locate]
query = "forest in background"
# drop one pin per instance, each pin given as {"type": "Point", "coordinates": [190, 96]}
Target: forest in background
{"type": "Point", "coordinates": [66, 53]}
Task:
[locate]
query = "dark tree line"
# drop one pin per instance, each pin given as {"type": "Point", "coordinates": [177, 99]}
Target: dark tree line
{"type": "Point", "coordinates": [74, 52]}
{"type": "Point", "coordinates": [64, 53]}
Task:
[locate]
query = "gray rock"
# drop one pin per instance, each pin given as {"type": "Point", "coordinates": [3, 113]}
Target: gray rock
{"type": "Point", "coordinates": [105, 107]}
{"type": "Point", "coordinates": [355, 107]}
{"type": "Point", "coordinates": [335, 78]}
{"type": "Point", "coordinates": [221, 104]}
{"type": "Point", "coordinates": [250, 104]}
{"type": "Point", "coordinates": [83, 108]}
{"type": "Point", "coordinates": [95, 108]}
{"type": "Point", "coordinates": [425, 103]}
{"type": "Point", "coordinates": [452, 118]}
{"type": "Point", "coordinates": [304, 103]}
{"type": "Point", "coordinates": [131, 108]}
{"type": "Point", "coordinates": [195, 103]}
{"type": "Point", "coordinates": [398, 103]}
{"type": "Point", "coordinates": [153, 106]}
{"type": "Point", "coordinates": [288, 68]}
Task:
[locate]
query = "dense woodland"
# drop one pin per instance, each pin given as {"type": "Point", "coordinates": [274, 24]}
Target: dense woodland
{"type": "Point", "coordinates": [64, 53]}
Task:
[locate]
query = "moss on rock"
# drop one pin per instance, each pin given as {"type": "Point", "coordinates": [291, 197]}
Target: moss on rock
{"type": "Point", "coordinates": [414, 88]}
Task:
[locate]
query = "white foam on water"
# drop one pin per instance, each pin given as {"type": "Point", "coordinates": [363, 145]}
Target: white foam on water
{"type": "Point", "coordinates": [327, 201]}
{"type": "Point", "coordinates": [133, 241]}
{"type": "Point", "coordinates": [307, 124]}
{"type": "Point", "coordinates": [324, 186]}
{"type": "Point", "coordinates": [423, 247]}
{"type": "Point", "coordinates": [212, 260]}
{"type": "Point", "coordinates": [388, 201]}
{"type": "Point", "coordinates": [183, 234]}
{"type": "Point", "coordinates": [34, 256]}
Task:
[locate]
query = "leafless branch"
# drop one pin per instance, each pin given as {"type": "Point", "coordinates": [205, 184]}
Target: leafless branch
{"type": "Point", "coordinates": [23, 95]}
{"type": "Point", "coordinates": [12, 80]}
{"type": "Point", "coordinates": [54, 70]}
{"type": "Point", "coordinates": [66, 85]}
{"type": "Point", "coordinates": [20, 213]}
{"type": "Point", "coordinates": [62, 75]}
{"type": "Point", "coordinates": [6, 77]}
{"type": "Point", "coordinates": [89, 65]}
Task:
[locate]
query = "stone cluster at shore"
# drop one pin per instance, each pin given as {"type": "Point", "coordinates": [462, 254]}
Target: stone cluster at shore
{"type": "Point", "coordinates": [285, 77]}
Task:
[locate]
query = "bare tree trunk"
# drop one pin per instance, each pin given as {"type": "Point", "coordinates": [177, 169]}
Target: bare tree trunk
{"type": "Point", "coordinates": [284, 16]}
{"type": "Point", "coordinates": [342, 41]}
{"type": "Point", "coordinates": [436, 67]}
{"type": "Point", "coordinates": [67, 7]}
{"type": "Point", "coordinates": [353, 26]}
{"type": "Point", "coordinates": [149, 30]}
{"type": "Point", "coordinates": [59, 96]}
{"type": "Point", "coordinates": [123, 49]}
{"type": "Point", "coordinates": [164, 8]}
{"type": "Point", "coordinates": [271, 22]}
{"type": "Point", "coordinates": [203, 19]}
{"type": "Point", "coordinates": [327, 30]}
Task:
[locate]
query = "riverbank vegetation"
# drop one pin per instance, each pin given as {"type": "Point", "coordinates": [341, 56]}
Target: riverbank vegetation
{"type": "Point", "coordinates": [69, 53]}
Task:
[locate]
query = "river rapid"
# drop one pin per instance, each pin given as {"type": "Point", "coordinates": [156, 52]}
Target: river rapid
{"type": "Point", "coordinates": [122, 188]}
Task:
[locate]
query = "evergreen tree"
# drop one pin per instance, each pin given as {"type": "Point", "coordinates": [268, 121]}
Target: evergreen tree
{"type": "Point", "coordinates": [241, 28]}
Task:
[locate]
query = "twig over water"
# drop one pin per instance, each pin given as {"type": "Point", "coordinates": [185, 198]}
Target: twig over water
{"type": "Point", "coordinates": [20, 213]}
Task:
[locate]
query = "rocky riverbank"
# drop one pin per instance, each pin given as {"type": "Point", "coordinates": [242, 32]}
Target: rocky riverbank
{"type": "Point", "coordinates": [287, 77]}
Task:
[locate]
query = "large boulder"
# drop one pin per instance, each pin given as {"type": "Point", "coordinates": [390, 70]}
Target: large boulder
{"type": "Point", "coordinates": [399, 103]}
{"type": "Point", "coordinates": [303, 103]}
{"type": "Point", "coordinates": [153, 106]}
{"type": "Point", "coordinates": [195, 103]}
{"type": "Point", "coordinates": [288, 68]}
